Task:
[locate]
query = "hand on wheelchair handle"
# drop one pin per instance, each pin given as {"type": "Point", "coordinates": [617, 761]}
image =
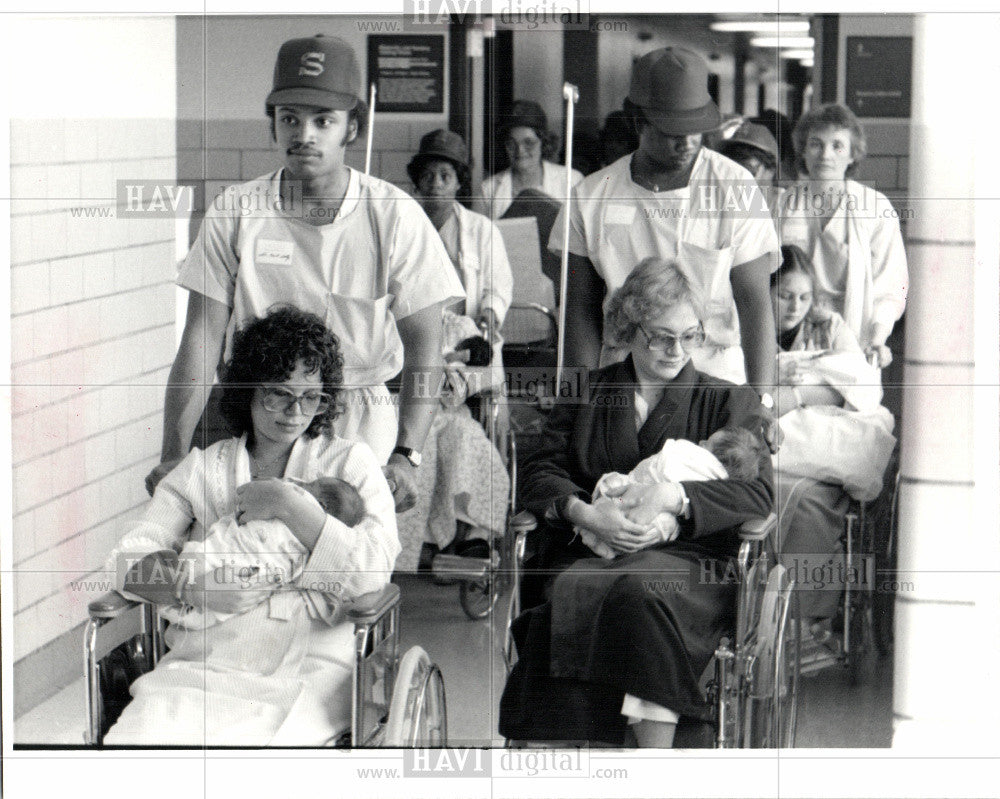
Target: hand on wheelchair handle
{"type": "Point", "coordinates": [878, 355]}
{"type": "Point", "coordinates": [402, 483]}
{"type": "Point", "coordinates": [158, 473]}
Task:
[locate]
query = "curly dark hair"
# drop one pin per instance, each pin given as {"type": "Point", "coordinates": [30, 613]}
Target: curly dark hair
{"type": "Point", "coordinates": [267, 350]}
{"type": "Point", "coordinates": [529, 114]}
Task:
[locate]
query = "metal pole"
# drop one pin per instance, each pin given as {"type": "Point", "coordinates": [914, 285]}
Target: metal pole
{"type": "Point", "coordinates": [371, 129]}
{"type": "Point", "coordinates": [570, 94]}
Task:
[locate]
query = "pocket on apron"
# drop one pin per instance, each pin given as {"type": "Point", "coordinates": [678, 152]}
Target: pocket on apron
{"type": "Point", "coordinates": [708, 270]}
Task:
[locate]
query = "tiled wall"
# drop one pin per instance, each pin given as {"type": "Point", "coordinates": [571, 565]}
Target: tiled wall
{"type": "Point", "coordinates": [888, 162]}
{"type": "Point", "coordinates": [887, 165]}
{"type": "Point", "coordinates": [92, 340]}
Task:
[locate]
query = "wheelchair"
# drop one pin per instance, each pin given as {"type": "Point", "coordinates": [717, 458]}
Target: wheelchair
{"type": "Point", "coordinates": [482, 581]}
{"type": "Point", "coordinates": [752, 681]}
{"type": "Point", "coordinates": [396, 702]}
{"type": "Point", "coordinates": [863, 624]}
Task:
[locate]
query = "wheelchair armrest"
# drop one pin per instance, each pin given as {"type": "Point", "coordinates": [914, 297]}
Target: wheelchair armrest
{"type": "Point", "coordinates": [758, 529]}
{"type": "Point", "coordinates": [524, 522]}
{"type": "Point", "coordinates": [370, 607]}
{"type": "Point", "coordinates": [111, 606]}
{"type": "Point", "coordinates": [534, 306]}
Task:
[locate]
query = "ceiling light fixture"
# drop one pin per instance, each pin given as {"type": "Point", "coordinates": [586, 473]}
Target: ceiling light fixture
{"type": "Point", "coordinates": [759, 26]}
{"type": "Point", "coordinates": [783, 41]}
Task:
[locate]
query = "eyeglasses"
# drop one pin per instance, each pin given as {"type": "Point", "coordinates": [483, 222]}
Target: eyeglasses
{"type": "Point", "coordinates": [528, 145]}
{"type": "Point", "coordinates": [277, 399]}
{"type": "Point", "coordinates": [666, 342]}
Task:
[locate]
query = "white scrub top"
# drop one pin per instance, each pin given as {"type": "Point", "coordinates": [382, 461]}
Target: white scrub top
{"type": "Point", "coordinates": [718, 221]}
{"type": "Point", "coordinates": [380, 259]}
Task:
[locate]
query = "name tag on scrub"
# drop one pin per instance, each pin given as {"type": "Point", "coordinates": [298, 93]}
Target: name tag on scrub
{"type": "Point", "coordinates": [619, 214]}
{"type": "Point", "coordinates": [276, 253]}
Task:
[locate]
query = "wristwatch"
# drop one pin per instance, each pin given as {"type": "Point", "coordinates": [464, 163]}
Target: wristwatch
{"type": "Point", "coordinates": [767, 401]}
{"type": "Point", "coordinates": [410, 454]}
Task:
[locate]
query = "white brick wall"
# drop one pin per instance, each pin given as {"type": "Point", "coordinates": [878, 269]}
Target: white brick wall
{"type": "Point", "coordinates": [92, 339]}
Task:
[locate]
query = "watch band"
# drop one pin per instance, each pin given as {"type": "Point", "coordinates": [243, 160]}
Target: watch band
{"type": "Point", "coordinates": [410, 454]}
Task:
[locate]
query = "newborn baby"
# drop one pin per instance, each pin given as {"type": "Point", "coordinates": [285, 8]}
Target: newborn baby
{"type": "Point", "coordinates": [258, 553]}
{"type": "Point", "coordinates": [732, 452]}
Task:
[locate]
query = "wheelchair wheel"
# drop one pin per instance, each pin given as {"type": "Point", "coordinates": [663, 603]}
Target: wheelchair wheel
{"type": "Point", "coordinates": [772, 699]}
{"type": "Point", "coordinates": [417, 712]}
{"type": "Point", "coordinates": [478, 597]}
{"type": "Point", "coordinates": [884, 601]}
{"type": "Point", "coordinates": [122, 666]}
{"type": "Point", "coordinates": [859, 638]}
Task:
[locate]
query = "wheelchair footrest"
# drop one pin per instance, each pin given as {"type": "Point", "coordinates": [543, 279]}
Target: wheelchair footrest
{"type": "Point", "coordinates": [458, 567]}
{"type": "Point", "coordinates": [817, 655]}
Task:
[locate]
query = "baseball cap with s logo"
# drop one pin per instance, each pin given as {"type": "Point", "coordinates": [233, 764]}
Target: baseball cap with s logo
{"type": "Point", "coordinates": [319, 70]}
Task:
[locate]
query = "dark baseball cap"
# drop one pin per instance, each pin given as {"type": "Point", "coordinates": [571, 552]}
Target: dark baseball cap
{"type": "Point", "coordinates": [320, 70]}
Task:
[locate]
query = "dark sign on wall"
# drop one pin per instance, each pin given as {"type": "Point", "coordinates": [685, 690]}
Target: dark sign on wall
{"type": "Point", "coordinates": [409, 73]}
{"type": "Point", "coordinates": [879, 75]}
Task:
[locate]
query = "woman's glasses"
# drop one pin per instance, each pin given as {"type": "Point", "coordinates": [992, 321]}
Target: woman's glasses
{"type": "Point", "coordinates": [528, 145]}
{"type": "Point", "coordinates": [277, 399]}
{"type": "Point", "coordinates": [666, 342]}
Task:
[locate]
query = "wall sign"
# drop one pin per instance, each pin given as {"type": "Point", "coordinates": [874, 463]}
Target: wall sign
{"type": "Point", "coordinates": [879, 75]}
{"type": "Point", "coordinates": [409, 73]}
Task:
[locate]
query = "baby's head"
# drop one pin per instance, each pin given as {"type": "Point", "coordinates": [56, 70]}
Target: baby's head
{"type": "Point", "coordinates": [738, 450]}
{"type": "Point", "coordinates": [338, 498]}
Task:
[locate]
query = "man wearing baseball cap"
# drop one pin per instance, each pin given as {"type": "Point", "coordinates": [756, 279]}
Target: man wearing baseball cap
{"type": "Point", "coordinates": [353, 249]}
{"type": "Point", "coordinates": [674, 199]}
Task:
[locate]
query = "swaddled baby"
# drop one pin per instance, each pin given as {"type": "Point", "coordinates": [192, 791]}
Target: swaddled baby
{"type": "Point", "coordinates": [732, 452]}
{"type": "Point", "coordinates": [260, 552]}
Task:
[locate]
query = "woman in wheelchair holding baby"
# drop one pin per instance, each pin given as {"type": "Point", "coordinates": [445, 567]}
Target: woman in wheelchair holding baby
{"type": "Point", "coordinates": [265, 539]}
{"type": "Point", "coordinates": [837, 436]}
{"type": "Point", "coordinates": [615, 652]}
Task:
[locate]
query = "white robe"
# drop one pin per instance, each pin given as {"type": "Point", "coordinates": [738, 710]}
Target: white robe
{"type": "Point", "coordinates": [876, 280]}
{"type": "Point", "coordinates": [280, 671]}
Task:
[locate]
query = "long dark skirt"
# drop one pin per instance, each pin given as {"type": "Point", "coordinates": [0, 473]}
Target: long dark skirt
{"type": "Point", "coordinates": [645, 624]}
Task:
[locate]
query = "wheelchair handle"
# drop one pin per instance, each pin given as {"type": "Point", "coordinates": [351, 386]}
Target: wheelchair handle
{"type": "Point", "coordinates": [524, 522]}
{"type": "Point", "coordinates": [111, 606]}
{"type": "Point", "coordinates": [758, 529]}
{"type": "Point", "coordinates": [369, 607]}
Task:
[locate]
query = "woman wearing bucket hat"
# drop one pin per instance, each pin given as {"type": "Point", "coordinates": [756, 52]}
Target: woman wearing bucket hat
{"type": "Point", "coordinates": [753, 147]}
{"type": "Point", "coordinates": [529, 145]}
{"type": "Point", "coordinates": [676, 200]}
{"type": "Point", "coordinates": [440, 174]}
{"type": "Point", "coordinates": [353, 249]}
{"type": "Point", "coordinates": [462, 481]}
